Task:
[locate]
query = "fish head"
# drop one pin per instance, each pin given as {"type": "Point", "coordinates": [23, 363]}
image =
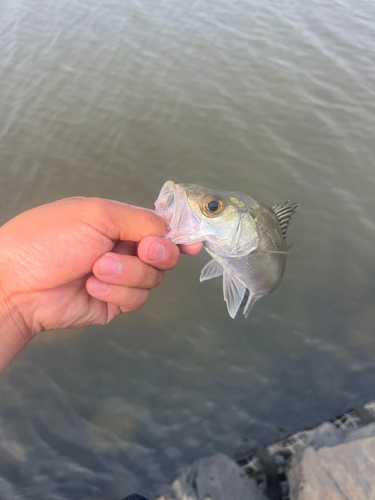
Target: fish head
{"type": "Point", "coordinates": [219, 218]}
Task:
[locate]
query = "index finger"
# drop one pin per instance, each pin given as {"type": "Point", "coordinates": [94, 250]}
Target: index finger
{"type": "Point", "coordinates": [158, 252]}
{"type": "Point", "coordinates": [192, 249]}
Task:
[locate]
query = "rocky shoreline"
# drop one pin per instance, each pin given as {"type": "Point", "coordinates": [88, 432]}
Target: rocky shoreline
{"type": "Point", "coordinates": [335, 461]}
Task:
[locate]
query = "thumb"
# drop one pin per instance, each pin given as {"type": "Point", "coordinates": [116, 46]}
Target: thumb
{"type": "Point", "coordinates": [120, 221]}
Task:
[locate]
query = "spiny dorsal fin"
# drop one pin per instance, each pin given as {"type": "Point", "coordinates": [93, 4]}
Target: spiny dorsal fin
{"type": "Point", "coordinates": [284, 212]}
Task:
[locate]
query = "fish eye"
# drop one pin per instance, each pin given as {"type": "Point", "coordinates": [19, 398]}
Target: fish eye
{"type": "Point", "coordinates": [212, 206]}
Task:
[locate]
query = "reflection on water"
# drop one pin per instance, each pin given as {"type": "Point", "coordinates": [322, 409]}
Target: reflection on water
{"type": "Point", "coordinates": [113, 99]}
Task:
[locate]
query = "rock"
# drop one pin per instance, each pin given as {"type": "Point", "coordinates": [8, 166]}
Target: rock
{"type": "Point", "coordinates": [214, 478]}
{"type": "Point", "coordinates": [335, 465]}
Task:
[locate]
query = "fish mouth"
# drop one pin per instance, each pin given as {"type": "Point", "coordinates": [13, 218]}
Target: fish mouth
{"type": "Point", "coordinates": [166, 204]}
{"type": "Point", "coordinates": [173, 206]}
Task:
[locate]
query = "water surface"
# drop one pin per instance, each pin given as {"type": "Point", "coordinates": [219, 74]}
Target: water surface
{"type": "Point", "coordinates": [112, 100]}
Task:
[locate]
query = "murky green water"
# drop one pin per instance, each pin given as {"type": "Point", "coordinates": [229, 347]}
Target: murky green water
{"type": "Point", "coordinates": [112, 99]}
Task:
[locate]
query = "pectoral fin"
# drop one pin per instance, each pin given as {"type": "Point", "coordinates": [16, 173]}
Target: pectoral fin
{"type": "Point", "coordinates": [234, 291]}
{"type": "Point", "coordinates": [211, 270]}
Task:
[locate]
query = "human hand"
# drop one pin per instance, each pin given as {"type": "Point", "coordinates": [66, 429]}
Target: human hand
{"type": "Point", "coordinates": [78, 262]}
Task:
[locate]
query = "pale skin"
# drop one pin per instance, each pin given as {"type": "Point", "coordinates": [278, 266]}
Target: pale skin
{"type": "Point", "coordinates": [78, 262]}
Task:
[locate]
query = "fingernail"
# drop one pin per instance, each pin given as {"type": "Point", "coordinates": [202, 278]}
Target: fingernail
{"type": "Point", "coordinates": [156, 252]}
{"type": "Point", "coordinates": [98, 286]}
{"type": "Point", "coordinates": [108, 266]}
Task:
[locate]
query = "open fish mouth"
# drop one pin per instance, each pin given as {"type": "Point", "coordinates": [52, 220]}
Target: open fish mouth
{"type": "Point", "coordinates": [173, 206]}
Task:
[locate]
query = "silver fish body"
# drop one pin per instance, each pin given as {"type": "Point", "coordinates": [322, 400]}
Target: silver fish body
{"type": "Point", "coordinates": [245, 238]}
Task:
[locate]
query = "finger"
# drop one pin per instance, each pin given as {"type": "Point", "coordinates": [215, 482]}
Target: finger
{"type": "Point", "coordinates": [129, 223]}
{"type": "Point", "coordinates": [192, 249]}
{"type": "Point", "coordinates": [126, 270]}
{"type": "Point", "coordinates": [129, 299]}
{"type": "Point", "coordinates": [159, 253]}
{"type": "Point", "coordinates": [116, 220]}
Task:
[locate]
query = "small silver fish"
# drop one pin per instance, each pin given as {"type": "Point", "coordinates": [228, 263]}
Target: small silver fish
{"type": "Point", "coordinates": [245, 238]}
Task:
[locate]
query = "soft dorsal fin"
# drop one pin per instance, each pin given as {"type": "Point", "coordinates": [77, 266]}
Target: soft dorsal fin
{"type": "Point", "coordinates": [284, 212]}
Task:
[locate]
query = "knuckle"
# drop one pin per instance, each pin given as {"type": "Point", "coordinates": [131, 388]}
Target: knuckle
{"type": "Point", "coordinates": [142, 275]}
{"type": "Point", "coordinates": [144, 297]}
{"type": "Point", "coordinates": [157, 278]}
{"type": "Point", "coordinates": [135, 300]}
{"type": "Point", "coordinates": [147, 217]}
{"type": "Point", "coordinates": [160, 277]}
{"type": "Point", "coordinates": [96, 206]}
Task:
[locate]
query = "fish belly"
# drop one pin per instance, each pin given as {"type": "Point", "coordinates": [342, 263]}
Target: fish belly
{"type": "Point", "coordinates": [261, 272]}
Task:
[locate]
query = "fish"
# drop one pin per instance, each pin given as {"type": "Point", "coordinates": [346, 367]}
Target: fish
{"type": "Point", "coordinates": [245, 238]}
